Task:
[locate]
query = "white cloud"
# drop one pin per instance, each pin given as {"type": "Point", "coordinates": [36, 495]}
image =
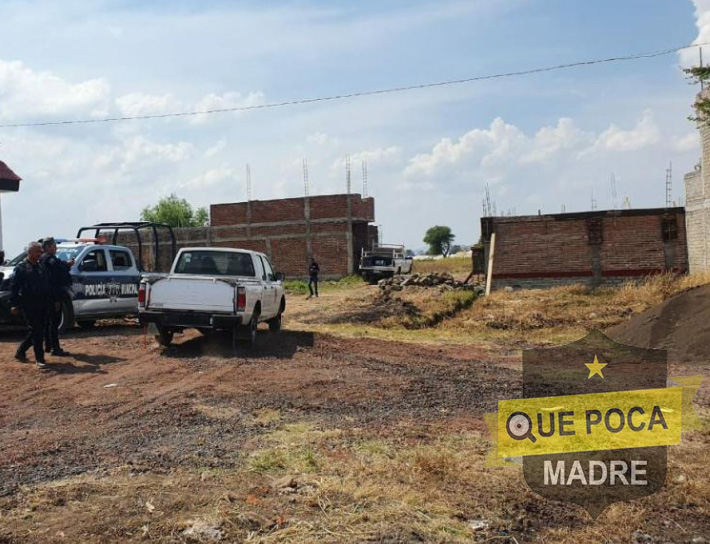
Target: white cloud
{"type": "Point", "coordinates": [689, 57]}
{"type": "Point", "coordinates": [689, 142]}
{"type": "Point", "coordinates": [645, 134]}
{"type": "Point", "coordinates": [210, 178]}
{"type": "Point", "coordinates": [25, 92]}
{"type": "Point", "coordinates": [228, 100]}
{"type": "Point", "coordinates": [138, 152]}
{"type": "Point", "coordinates": [551, 140]}
{"type": "Point", "coordinates": [562, 159]}
{"type": "Point", "coordinates": [319, 138]}
{"type": "Point", "coordinates": [136, 104]}
{"type": "Point", "coordinates": [380, 155]}
{"type": "Point", "coordinates": [216, 149]}
{"type": "Point", "coordinates": [481, 147]}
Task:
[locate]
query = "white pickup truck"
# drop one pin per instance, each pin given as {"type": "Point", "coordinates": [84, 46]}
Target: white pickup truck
{"type": "Point", "coordinates": [212, 289]}
{"type": "Point", "coordinates": [384, 261]}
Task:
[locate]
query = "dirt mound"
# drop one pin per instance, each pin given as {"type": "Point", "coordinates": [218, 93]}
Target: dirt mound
{"type": "Point", "coordinates": [382, 307]}
{"type": "Point", "coordinates": [443, 281]}
{"type": "Point", "coordinates": [680, 324]}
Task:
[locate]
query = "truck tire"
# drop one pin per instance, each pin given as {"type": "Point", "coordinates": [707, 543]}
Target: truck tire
{"type": "Point", "coordinates": [86, 323]}
{"type": "Point", "coordinates": [252, 327]}
{"type": "Point", "coordinates": [164, 337]}
{"type": "Point", "coordinates": [66, 318]}
{"type": "Point", "coordinates": [275, 322]}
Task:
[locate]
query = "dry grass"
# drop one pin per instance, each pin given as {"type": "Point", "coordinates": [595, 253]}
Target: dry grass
{"type": "Point", "coordinates": [459, 267]}
{"type": "Point", "coordinates": [508, 319]}
{"type": "Point", "coordinates": [563, 314]}
{"type": "Point", "coordinates": [351, 486]}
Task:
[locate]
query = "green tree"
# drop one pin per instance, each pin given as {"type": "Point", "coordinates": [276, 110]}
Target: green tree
{"type": "Point", "coordinates": [439, 239]}
{"type": "Point", "coordinates": [176, 212]}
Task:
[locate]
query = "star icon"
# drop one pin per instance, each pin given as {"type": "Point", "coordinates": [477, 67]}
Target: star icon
{"type": "Point", "coordinates": [595, 368]}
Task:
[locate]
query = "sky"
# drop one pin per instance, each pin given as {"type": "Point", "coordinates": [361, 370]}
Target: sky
{"type": "Point", "coordinates": [544, 142]}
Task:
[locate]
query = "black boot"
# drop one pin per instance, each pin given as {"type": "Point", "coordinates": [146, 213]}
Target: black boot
{"type": "Point", "coordinates": [21, 356]}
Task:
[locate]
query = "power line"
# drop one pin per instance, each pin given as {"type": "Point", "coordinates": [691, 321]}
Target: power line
{"type": "Point", "coordinates": [625, 58]}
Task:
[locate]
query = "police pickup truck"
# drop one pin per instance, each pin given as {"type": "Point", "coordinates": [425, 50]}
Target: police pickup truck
{"type": "Point", "coordinates": [105, 283]}
{"type": "Point", "coordinates": [213, 289]}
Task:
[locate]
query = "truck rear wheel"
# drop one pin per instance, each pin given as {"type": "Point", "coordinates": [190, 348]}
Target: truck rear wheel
{"type": "Point", "coordinates": [164, 337]}
{"type": "Point", "coordinates": [252, 328]}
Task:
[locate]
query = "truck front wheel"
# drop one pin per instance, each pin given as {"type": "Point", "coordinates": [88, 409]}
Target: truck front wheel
{"type": "Point", "coordinates": [164, 337]}
{"type": "Point", "coordinates": [275, 322]}
{"type": "Point", "coordinates": [66, 318]}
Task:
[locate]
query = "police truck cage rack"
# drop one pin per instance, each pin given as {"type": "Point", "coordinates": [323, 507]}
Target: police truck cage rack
{"type": "Point", "coordinates": [136, 227]}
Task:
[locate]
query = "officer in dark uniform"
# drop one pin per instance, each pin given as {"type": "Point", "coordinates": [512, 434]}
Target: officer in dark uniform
{"type": "Point", "coordinates": [59, 280]}
{"type": "Point", "coordinates": [30, 296]}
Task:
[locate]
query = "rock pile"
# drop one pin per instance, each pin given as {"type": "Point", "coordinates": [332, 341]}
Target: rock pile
{"type": "Point", "coordinates": [443, 281]}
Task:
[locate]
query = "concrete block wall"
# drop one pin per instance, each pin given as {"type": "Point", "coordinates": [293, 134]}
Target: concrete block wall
{"type": "Point", "coordinates": [548, 250]}
{"type": "Point", "coordinates": [697, 206]}
{"type": "Point", "coordinates": [330, 228]}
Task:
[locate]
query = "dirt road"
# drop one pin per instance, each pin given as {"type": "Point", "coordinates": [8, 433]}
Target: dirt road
{"type": "Point", "coordinates": [378, 441]}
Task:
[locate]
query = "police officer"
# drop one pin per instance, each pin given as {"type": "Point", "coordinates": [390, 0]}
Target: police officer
{"type": "Point", "coordinates": [30, 296]}
{"type": "Point", "coordinates": [59, 280]}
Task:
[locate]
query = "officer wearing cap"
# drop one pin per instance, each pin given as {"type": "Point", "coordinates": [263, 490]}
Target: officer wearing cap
{"type": "Point", "coordinates": [59, 280]}
{"type": "Point", "coordinates": [30, 296]}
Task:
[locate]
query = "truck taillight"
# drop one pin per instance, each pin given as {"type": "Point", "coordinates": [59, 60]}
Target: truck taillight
{"type": "Point", "coordinates": [141, 295]}
{"type": "Point", "coordinates": [241, 301]}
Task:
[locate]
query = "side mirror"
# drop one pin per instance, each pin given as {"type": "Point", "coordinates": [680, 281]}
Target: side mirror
{"type": "Point", "coordinates": [279, 276]}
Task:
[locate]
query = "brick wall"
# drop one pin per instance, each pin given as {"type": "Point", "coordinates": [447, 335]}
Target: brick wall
{"type": "Point", "coordinates": [594, 247]}
{"type": "Point", "coordinates": [330, 228]}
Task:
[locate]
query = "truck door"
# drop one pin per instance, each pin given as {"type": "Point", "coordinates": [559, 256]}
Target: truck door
{"type": "Point", "coordinates": [271, 291]}
{"type": "Point", "coordinates": [92, 291]}
{"type": "Point", "coordinates": [124, 280]}
{"type": "Point", "coordinates": [277, 285]}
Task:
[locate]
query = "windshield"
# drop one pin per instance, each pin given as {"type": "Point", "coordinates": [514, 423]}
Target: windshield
{"type": "Point", "coordinates": [17, 260]}
{"type": "Point", "coordinates": [215, 263]}
{"type": "Point", "coordinates": [63, 253]}
{"type": "Point", "coordinates": [68, 253]}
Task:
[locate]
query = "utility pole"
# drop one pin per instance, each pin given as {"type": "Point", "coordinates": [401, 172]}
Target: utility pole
{"type": "Point", "coordinates": [248, 182]}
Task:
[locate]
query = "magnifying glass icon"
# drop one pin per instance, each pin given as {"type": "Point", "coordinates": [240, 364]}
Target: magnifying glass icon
{"type": "Point", "coordinates": [519, 427]}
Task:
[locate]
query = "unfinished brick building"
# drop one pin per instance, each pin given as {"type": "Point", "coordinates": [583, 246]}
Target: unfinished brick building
{"type": "Point", "coordinates": [594, 248]}
{"type": "Point", "coordinates": [331, 228]}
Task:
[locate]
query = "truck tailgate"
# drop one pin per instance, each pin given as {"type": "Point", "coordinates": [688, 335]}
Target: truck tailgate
{"type": "Point", "coordinates": [195, 293]}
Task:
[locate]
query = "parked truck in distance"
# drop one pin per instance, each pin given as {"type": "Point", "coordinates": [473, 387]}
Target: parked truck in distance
{"type": "Point", "coordinates": [384, 261]}
{"type": "Point", "coordinates": [212, 289]}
